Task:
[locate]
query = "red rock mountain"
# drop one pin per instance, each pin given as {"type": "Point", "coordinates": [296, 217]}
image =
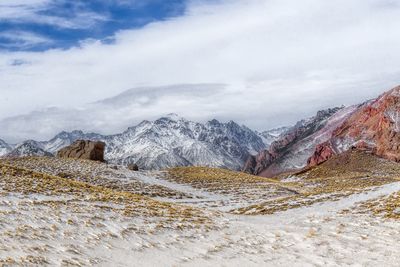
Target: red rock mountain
{"type": "Point", "coordinates": [297, 144]}
{"type": "Point", "coordinates": [375, 126]}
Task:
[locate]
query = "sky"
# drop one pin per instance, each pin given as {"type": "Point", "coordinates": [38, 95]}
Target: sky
{"type": "Point", "coordinates": [262, 63]}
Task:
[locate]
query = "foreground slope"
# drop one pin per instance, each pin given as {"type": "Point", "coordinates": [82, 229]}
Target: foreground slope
{"type": "Point", "coordinates": [48, 220]}
{"type": "Point", "coordinates": [76, 212]}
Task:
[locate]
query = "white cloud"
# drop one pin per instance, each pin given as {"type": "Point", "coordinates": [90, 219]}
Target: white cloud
{"type": "Point", "coordinates": [281, 60]}
{"type": "Point", "coordinates": [23, 39]}
{"type": "Point", "coordinates": [116, 113]}
{"type": "Point", "coordinates": [32, 11]}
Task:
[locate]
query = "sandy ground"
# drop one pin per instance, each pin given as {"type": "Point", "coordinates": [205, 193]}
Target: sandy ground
{"type": "Point", "coordinates": [48, 230]}
{"type": "Point", "coordinates": [313, 236]}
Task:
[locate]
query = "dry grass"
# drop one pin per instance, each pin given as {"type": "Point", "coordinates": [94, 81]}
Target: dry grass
{"type": "Point", "coordinates": [92, 172]}
{"type": "Point", "coordinates": [341, 176]}
{"type": "Point", "coordinates": [197, 174]}
{"type": "Point", "coordinates": [241, 188]}
{"type": "Point", "coordinates": [19, 180]}
{"type": "Point", "coordinates": [387, 207]}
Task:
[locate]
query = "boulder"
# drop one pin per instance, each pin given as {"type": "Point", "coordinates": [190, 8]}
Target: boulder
{"type": "Point", "coordinates": [133, 167]}
{"type": "Point", "coordinates": [84, 149]}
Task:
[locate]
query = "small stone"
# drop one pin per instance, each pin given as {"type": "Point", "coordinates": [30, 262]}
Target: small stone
{"type": "Point", "coordinates": [396, 211]}
{"type": "Point", "coordinates": [133, 167]}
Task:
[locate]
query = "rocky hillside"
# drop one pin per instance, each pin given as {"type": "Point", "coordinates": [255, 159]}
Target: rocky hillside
{"type": "Point", "coordinates": [374, 126]}
{"type": "Point", "coordinates": [292, 150]}
{"type": "Point", "coordinates": [167, 142]}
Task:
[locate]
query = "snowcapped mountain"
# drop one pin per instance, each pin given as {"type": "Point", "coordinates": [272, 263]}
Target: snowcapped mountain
{"type": "Point", "coordinates": [4, 148]}
{"type": "Point", "coordinates": [29, 148]}
{"type": "Point", "coordinates": [166, 142]}
{"type": "Point", "coordinates": [175, 141]}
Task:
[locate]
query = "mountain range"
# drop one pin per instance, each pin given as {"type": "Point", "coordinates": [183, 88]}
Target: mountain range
{"type": "Point", "coordinates": [170, 141]}
{"type": "Point", "coordinates": [166, 142]}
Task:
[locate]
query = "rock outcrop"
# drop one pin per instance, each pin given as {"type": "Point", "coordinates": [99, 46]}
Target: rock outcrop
{"type": "Point", "coordinates": [374, 127]}
{"type": "Point", "coordinates": [322, 153]}
{"type": "Point", "coordinates": [84, 149]}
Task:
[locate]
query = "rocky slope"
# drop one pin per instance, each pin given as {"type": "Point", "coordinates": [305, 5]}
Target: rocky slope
{"type": "Point", "coordinates": [167, 142]}
{"type": "Point", "coordinates": [292, 150]}
{"type": "Point", "coordinates": [374, 126]}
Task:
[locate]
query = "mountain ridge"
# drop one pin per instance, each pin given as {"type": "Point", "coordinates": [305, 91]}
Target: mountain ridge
{"type": "Point", "coordinates": [166, 142]}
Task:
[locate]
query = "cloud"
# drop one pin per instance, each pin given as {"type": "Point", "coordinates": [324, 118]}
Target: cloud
{"type": "Point", "coordinates": [280, 60]}
{"type": "Point", "coordinates": [117, 113]}
{"type": "Point", "coordinates": [47, 12]}
{"type": "Point", "coordinates": [23, 39]}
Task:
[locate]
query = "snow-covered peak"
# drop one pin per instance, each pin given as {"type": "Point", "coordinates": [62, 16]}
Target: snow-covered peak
{"type": "Point", "coordinates": [213, 122]}
{"type": "Point", "coordinates": [173, 117]}
{"type": "Point", "coordinates": [69, 135]}
{"type": "Point", "coordinates": [29, 148]}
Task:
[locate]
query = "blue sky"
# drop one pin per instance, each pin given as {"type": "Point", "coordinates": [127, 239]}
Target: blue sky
{"type": "Point", "coordinates": [65, 23]}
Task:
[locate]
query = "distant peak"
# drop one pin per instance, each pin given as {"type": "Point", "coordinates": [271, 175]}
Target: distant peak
{"type": "Point", "coordinates": [65, 134]}
{"type": "Point", "coordinates": [233, 123]}
{"type": "Point", "coordinates": [77, 132]}
{"type": "Point", "coordinates": [214, 122]}
{"type": "Point", "coordinates": [172, 117]}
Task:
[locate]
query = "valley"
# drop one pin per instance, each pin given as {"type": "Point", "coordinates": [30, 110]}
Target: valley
{"type": "Point", "coordinates": [199, 133]}
{"type": "Point", "coordinates": [324, 192]}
